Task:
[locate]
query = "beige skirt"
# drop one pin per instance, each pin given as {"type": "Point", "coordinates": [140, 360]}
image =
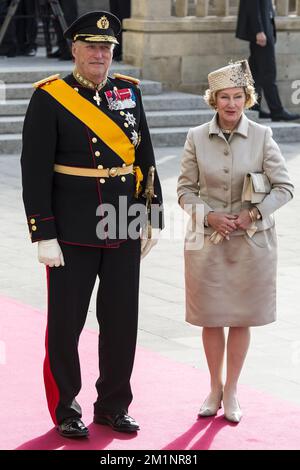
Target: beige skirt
{"type": "Point", "coordinates": [232, 283]}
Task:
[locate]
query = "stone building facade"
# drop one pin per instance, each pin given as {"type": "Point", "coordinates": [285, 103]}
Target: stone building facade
{"type": "Point", "coordinates": [178, 42]}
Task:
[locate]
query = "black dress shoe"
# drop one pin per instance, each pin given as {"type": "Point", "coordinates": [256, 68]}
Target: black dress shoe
{"type": "Point", "coordinates": [72, 427]}
{"type": "Point", "coordinates": [30, 52]}
{"type": "Point", "coordinates": [285, 116]}
{"type": "Point", "coordinates": [119, 422]}
{"type": "Point", "coordinates": [54, 55]}
{"type": "Point", "coordinates": [261, 114]}
{"type": "Point", "coordinates": [11, 53]}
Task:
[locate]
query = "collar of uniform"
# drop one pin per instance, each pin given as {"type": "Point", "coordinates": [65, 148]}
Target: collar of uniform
{"type": "Point", "coordinates": [87, 83]}
{"type": "Point", "coordinates": [241, 129]}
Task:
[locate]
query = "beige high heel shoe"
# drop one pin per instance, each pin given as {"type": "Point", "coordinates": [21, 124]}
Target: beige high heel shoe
{"type": "Point", "coordinates": [210, 406]}
{"type": "Point", "coordinates": [233, 412]}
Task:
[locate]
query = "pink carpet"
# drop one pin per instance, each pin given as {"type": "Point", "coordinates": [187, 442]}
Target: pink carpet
{"type": "Point", "coordinates": [167, 397]}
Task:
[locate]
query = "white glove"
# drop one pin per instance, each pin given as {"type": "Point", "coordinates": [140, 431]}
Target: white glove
{"type": "Point", "coordinates": [50, 254]}
{"type": "Point", "coordinates": [148, 243]}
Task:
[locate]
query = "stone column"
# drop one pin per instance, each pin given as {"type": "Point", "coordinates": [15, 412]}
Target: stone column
{"type": "Point", "coordinates": [221, 7]}
{"type": "Point", "coordinates": [298, 7]}
{"type": "Point", "coordinates": [202, 8]}
{"type": "Point", "coordinates": [150, 9]}
{"type": "Point", "coordinates": [282, 7]}
{"type": "Point", "coordinates": [181, 8]}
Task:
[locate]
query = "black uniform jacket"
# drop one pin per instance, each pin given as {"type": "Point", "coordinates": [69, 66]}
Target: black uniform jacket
{"type": "Point", "coordinates": [255, 16]}
{"type": "Point", "coordinates": [63, 206]}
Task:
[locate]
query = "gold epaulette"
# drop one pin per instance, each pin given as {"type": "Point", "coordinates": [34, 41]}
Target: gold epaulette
{"type": "Point", "coordinates": [46, 80]}
{"type": "Point", "coordinates": [127, 78]}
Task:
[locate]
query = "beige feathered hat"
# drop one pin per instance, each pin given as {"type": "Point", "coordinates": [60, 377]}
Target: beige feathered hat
{"type": "Point", "coordinates": [236, 74]}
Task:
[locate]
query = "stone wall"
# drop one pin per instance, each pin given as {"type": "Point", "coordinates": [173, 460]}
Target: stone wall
{"type": "Point", "coordinates": [191, 11]}
{"type": "Point", "coordinates": [180, 52]}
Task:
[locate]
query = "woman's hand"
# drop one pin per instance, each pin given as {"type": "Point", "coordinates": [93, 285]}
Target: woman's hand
{"type": "Point", "coordinates": [243, 221]}
{"type": "Point", "coordinates": [224, 224]}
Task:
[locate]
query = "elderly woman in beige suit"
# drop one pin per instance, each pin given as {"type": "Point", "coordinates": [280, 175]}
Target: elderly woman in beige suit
{"type": "Point", "coordinates": [231, 280]}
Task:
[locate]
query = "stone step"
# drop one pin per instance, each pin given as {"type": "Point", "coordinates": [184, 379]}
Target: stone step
{"type": "Point", "coordinates": [19, 91]}
{"type": "Point", "coordinates": [175, 136]}
{"type": "Point", "coordinates": [11, 124]}
{"type": "Point", "coordinates": [178, 118]}
{"type": "Point", "coordinates": [10, 73]}
{"type": "Point", "coordinates": [184, 118]}
{"type": "Point", "coordinates": [165, 101]}
{"type": "Point", "coordinates": [190, 118]}
{"type": "Point", "coordinates": [10, 144]}
{"type": "Point", "coordinates": [14, 108]}
{"type": "Point", "coordinates": [170, 114]}
{"type": "Point", "coordinates": [284, 132]}
{"type": "Point", "coordinates": [165, 137]}
{"type": "Point", "coordinates": [187, 118]}
{"type": "Point", "coordinates": [174, 101]}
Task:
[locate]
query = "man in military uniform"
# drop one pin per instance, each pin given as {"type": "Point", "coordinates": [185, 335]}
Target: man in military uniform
{"type": "Point", "coordinates": [86, 143]}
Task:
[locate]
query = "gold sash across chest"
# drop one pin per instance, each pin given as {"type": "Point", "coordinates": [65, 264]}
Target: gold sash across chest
{"type": "Point", "coordinates": [102, 125]}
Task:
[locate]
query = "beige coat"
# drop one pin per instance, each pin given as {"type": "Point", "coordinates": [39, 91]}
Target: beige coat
{"type": "Point", "coordinates": [212, 175]}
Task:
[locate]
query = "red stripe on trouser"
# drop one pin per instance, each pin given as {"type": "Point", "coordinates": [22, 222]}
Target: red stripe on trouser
{"type": "Point", "coordinates": [52, 392]}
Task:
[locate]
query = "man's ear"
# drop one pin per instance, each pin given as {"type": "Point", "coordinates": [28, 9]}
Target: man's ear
{"type": "Point", "coordinates": [73, 49]}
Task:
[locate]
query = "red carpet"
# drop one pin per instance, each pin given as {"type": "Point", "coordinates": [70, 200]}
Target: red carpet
{"type": "Point", "coordinates": [167, 397]}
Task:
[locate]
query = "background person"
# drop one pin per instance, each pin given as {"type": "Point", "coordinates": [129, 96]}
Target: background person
{"type": "Point", "coordinates": [122, 9]}
{"type": "Point", "coordinates": [70, 11]}
{"type": "Point", "coordinates": [256, 24]}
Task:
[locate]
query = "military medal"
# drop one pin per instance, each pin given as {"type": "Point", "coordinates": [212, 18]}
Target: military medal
{"type": "Point", "coordinates": [130, 119]}
{"type": "Point", "coordinates": [120, 99]}
{"type": "Point", "coordinates": [97, 98]}
{"type": "Point", "coordinates": [136, 138]}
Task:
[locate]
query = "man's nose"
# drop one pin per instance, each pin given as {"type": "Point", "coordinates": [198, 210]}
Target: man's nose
{"type": "Point", "coordinates": [98, 53]}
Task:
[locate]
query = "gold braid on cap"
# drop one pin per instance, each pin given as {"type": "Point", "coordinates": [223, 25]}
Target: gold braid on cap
{"type": "Point", "coordinates": [96, 38]}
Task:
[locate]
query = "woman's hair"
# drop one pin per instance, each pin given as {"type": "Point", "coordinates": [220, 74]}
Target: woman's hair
{"type": "Point", "coordinates": [210, 97]}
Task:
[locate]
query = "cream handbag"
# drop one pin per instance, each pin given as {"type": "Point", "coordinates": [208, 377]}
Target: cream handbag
{"type": "Point", "coordinates": [255, 188]}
